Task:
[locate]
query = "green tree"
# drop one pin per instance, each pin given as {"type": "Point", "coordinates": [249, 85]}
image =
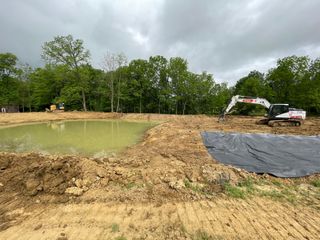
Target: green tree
{"type": "Point", "coordinates": [66, 50]}
{"type": "Point", "coordinates": [285, 79]}
{"type": "Point", "coordinates": [178, 73]}
{"type": "Point", "coordinates": [25, 87]}
{"type": "Point", "coordinates": [310, 90]}
{"type": "Point", "coordinates": [9, 84]}
{"type": "Point", "coordinates": [252, 85]}
{"type": "Point", "coordinates": [160, 82]}
{"type": "Point", "coordinates": [139, 83]}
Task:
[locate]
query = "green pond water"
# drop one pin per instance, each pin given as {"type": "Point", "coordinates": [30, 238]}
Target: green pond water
{"type": "Point", "coordinates": [97, 138]}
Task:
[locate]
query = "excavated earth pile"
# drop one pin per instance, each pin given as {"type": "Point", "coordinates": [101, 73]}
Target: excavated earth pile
{"type": "Point", "coordinates": [165, 187]}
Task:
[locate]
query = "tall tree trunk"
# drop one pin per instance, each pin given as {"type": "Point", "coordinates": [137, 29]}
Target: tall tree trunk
{"type": "Point", "coordinates": [29, 99]}
{"type": "Point", "coordinates": [112, 92]}
{"type": "Point", "coordinates": [184, 107]}
{"type": "Point", "coordinates": [84, 104]}
{"type": "Point", "coordinates": [140, 104]}
{"type": "Point", "coordinates": [176, 107]}
{"type": "Point", "coordinates": [84, 100]}
{"type": "Point", "coordinates": [118, 97]}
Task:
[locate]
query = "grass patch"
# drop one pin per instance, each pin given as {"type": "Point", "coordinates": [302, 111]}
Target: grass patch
{"type": "Point", "coordinates": [201, 235]}
{"type": "Point", "coordinates": [316, 183]}
{"type": "Point", "coordinates": [241, 190]}
{"type": "Point", "coordinates": [276, 183]}
{"type": "Point", "coordinates": [248, 184]}
{"type": "Point", "coordinates": [183, 229]}
{"type": "Point", "coordinates": [193, 187]}
{"type": "Point", "coordinates": [132, 185]}
{"type": "Point", "coordinates": [120, 238]}
{"type": "Point", "coordinates": [280, 195]}
{"type": "Point", "coordinates": [115, 228]}
{"type": "Point", "coordinates": [235, 192]}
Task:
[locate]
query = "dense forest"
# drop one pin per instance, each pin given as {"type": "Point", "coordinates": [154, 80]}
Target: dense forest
{"type": "Point", "coordinates": [156, 85]}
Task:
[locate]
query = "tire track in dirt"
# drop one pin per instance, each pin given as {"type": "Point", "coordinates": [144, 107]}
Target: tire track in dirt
{"type": "Point", "coordinates": [220, 218]}
{"type": "Point", "coordinates": [233, 219]}
{"type": "Point", "coordinates": [244, 216]}
{"type": "Point", "coordinates": [246, 211]}
{"type": "Point", "coordinates": [269, 218]}
{"type": "Point", "coordinates": [284, 221]}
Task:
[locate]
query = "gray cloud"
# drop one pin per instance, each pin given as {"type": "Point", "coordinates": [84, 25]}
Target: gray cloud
{"type": "Point", "coordinates": [227, 38]}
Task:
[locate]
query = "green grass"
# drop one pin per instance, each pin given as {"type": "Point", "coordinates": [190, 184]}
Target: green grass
{"type": "Point", "coordinates": [115, 228]}
{"type": "Point", "coordinates": [282, 195]}
{"type": "Point", "coordinates": [315, 183]}
{"type": "Point", "coordinates": [132, 185]}
{"type": "Point", "coordinates": [120, 238]}
{"type": "Point", "coordinates": [193, 187]}
{"type": "Point", "coordinates": [276, 183]}
{"type": "Point", "coordinates": [243, 189]}
{"type": "Point", "coordinates": [234, 191]}
{"type": "Point", "coordinates": [248, 184]}
{"type": "Point", "coordinates": [201, 235]}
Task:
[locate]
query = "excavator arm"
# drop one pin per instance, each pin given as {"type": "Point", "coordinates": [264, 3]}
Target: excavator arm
{"type": "Point", "coordinates": [245, 99]}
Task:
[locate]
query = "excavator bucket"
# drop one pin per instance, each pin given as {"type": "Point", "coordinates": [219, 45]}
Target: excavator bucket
{"type": "Point", "coordinates": [222, 117]}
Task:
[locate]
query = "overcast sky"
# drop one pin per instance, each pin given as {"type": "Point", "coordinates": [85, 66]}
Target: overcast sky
{"type": "Point", "coordinates": [225, 38]}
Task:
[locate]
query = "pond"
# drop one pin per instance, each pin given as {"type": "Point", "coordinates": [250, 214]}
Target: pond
{"type": "Point", "coordinates": [94, 138]}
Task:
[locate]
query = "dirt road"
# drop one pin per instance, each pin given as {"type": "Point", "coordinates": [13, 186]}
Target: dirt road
{"type": "Point", "coordinates": [165, 187]}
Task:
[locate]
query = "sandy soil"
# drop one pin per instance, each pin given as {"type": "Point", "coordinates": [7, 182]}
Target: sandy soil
{"type": "Point", "coordinates": [165, 187]}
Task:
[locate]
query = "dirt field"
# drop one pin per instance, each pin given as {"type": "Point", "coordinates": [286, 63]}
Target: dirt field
{"type": "Point", "coordinates": [165, 187]}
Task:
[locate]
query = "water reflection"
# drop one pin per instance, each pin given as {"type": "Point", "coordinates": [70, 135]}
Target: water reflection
{"type": "Point", "coordinates": [89, 137]}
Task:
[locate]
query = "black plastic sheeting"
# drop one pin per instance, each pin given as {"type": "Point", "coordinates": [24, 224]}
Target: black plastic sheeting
{"type": "Point", "coordinates": [279, 155]}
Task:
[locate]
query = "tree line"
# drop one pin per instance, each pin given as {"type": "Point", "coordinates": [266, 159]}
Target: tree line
{"type": "Point", "coordinates": [155, 85]}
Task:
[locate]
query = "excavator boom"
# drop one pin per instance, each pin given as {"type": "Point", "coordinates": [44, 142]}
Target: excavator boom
{"type": "Point", "coordinates": [245, 99]}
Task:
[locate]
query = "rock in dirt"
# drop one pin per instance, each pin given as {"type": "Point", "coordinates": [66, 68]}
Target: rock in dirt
{"type": "Point", "coordinates": [4, 164]}
{"type": "Point", "coordinates": [101, 172]}
{"type": "Point", "coordinates": [38, 227]}
{"type": "Point", "coordinates": [74, 191]}
{"type": "Point", "coordinates": [62, 238]}
{"type": "Point", "coordinates": [216, 176]}
{"type": "Point", "coordinates": [57, 165]}
{"type": "Point", "coordinates": [177, 185]}
{"type": "Point", "coordinates": [32, 186]}
{"type": "Point", "coordinates": [78, 183]}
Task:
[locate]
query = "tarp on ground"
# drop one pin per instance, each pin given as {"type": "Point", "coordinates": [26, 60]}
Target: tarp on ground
{"type": "Point", "coordinates": [279, 155]}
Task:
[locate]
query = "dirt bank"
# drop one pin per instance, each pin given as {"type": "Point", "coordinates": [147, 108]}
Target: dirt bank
{"type": "Point", "coordinates": [170, 165]}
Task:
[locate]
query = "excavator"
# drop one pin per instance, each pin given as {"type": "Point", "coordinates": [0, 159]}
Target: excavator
{"type": "Point", "coordinates": [278, 114]}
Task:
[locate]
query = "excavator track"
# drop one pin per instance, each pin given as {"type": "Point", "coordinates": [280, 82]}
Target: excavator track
{"type": "Point", "coordinates": [284, 123]}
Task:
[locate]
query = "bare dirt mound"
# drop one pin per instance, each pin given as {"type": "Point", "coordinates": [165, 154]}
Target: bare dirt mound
{"type": "Point", "coordinates": [32, 174]}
